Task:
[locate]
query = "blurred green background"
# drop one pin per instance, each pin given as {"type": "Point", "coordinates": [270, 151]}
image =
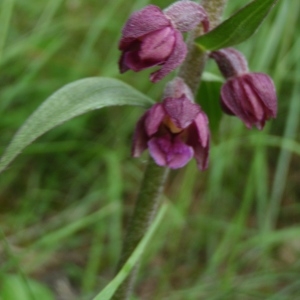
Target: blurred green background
{"type": "Point", "coordinates": [232, 232]}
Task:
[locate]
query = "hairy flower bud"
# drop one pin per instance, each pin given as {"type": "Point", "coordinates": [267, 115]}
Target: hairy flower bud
{"type": "Point", "coordinates": [174, 131]}
{"type": "Point", "coordinates": [152, 37]}
{"type": "Point", "coordinates": [249, 96]}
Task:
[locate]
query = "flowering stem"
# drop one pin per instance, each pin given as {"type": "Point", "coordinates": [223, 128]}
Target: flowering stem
{"type": "Point", "coordinates": [146, 206]}
{"type": "Point", "coordinates": [154, 178]}
{"type": "Point", "coordinates": [214, 9]}
{"type": "Point", "coordinates": [193, 66]}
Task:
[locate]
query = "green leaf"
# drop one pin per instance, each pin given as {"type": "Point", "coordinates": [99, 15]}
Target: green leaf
{"type": "Point", "coordinates": [210, 77]}
{"type": "Point", "coordinates": [237, 28]}
{"type": "Point", "coordinates": [14, 287]}
{"type": "Point", "coordinates": [68, 102]}
{"type": "Point", "coordinates": [208, 96]}
{"type": "Point", "coordinates": [110, 289]}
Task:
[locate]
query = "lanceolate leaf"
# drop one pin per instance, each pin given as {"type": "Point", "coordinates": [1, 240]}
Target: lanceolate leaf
{"type": "Point", "coordinates": [208, 97]}
{"type": "Point", "coordinates": [70, 101]}
{"type": "Point", "coordinates": [237, 28]}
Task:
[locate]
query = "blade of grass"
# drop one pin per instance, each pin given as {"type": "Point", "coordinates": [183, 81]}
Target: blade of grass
{"type": "Point", "coordinates": [54, 238]}
{"type": "Point", "coordinates": [232, 236]}
{"type": "Point", "coordinates": [46, 19]}
{"type": "Point", "coordinates": [93, 34]}
{"type": "Point", "coordinates": [109, 67]}
{"type": "Point", "coordinates": [16, 265]}
{"type": "Point", "coordinates": [7, 9]}
{"type": "Point", "coordinates": [263, 59]}
{"type": "Point", "coordinates": [261, 179]}
{"type": "Point", "coordinates": [222, 156]}
{"type": "Point", "coordinates": [59, 220]}
{"type": "Point", "coordinates": [89, 278]}
{"type": "Point", "coordinates": [114, 196]}
{"type": "Point", "coordinates": [284, 158]}
{"type": "Point", "coordinates": [30, 74]}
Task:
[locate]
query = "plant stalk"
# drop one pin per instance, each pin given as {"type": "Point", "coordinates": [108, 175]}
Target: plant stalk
{"type": "Point", "coordinates": [149, 197]}
{"type": "Point", "coordinates": [148, 201]}
{"type": "Point", "coordinates": [192, 68]}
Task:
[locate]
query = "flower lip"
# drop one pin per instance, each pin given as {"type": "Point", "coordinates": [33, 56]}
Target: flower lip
{"type": "Point", "coordinates": [171, 152]}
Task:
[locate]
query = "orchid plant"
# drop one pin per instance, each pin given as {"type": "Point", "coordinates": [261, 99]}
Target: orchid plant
{"type": "Point", "coordinates": [176, 129]}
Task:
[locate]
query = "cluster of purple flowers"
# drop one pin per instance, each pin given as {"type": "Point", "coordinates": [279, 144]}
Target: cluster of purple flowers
{"type": "Point", "coordinates": [176, 129]}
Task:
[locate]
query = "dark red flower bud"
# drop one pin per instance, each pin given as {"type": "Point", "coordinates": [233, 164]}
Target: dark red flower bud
{"type": "Point", "coordinates": [249, 96]}
{"type": "Point", "coordinates": [152, 37]}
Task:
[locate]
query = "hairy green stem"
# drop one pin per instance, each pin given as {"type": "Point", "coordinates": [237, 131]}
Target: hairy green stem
{"type": "Point", "coordinates": [146, 206]}
{"type": "Point", "coordinates": [154, 178]}
{"type": "Point", "coordinates": [215, 9]}
{"type": "Point", "coordinates": [193, 66]}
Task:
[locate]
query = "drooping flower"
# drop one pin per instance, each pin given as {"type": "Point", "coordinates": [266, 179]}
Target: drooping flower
{"type": "Point", "coordinates": [175, 130]}
{"type": "Point", "coordinates": [249, 96]}
{"type": "Point", "coordinates": [152, 37]}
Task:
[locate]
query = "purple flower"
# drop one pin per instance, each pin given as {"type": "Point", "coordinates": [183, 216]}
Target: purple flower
{"type": "Point", "coordinates": [174, 131]}
{"type": "Point", "coordinates": [249, 96]}
{"type": "Point", "coordinates": [152, 37]}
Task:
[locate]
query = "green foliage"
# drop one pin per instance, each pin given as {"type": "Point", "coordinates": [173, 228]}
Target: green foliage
{"type": "Point", "coordinates": [14, 287]}
{"type": "Point", "coordinates": [65, 202]}
{"type": "Point", "coordinates": [237, 28]}
{"type": "Point", "coordinates": [68, 102]}
{"type": "Point", "coordinates": [209, 98]}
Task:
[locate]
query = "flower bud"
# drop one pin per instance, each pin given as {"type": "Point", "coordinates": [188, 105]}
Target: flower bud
{"type": "Point", "coordinates": [152, 37]}
{"type": "Point", "coordinates": [174, 130]}
{"type": "Point", "coordinates": [249, 96]}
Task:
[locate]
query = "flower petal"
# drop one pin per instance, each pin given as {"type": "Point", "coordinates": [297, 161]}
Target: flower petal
{"type": "Point", "coordinates": [187, 15]}
{"type": "Point", "coordinates": [174, 60]}
{"type": "Point", "coordinates": [131, 60]}
{"type": "Point", "coordinates": [181, 111]}
{"type": "Point", "coordinates": [177, 88]}
{"type": "Point", "coordinates": [202, 156]}
{"type": "Point", "coordinates": [251, 105]}
{"type": "Point", "coordinates": [140, 137]}
{"type": "Point", "coordinates": [232, 94]}
{"type": "Point", "coordinates": [251, 97]}
{"type": "Point", "coordinates": [122, 63]}
{"type": "Point", "coordinates": [170, 152]}
{"type": "Point", "coordinates": [231, 62]}
{"type": "Point", "coordinates": [199, 139]}
{"type": "Point", "coordinates": [264, 87]}
{"type": "Point", "coordinates": [154, 118]}
{"type": "Point", "coordinates": [158, 45]}
{"type": "Point", "coordinates": [142, 22]}
{"type": "Point", "coordinates": [201, 122]}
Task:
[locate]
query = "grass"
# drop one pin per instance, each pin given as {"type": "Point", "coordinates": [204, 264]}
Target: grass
{"type": "Point", "coordinates": [231, 232]}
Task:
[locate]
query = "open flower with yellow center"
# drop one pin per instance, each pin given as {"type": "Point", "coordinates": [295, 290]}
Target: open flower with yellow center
{"type": "Point", "coordinates": [175, 130]}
